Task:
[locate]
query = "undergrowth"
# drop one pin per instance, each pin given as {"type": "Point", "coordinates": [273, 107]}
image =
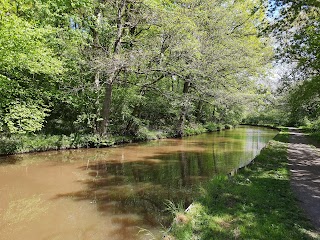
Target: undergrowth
{"type": "Point", "coordinates": [23, 143]}
{"type": "Point", "coordinates": [41, 142]}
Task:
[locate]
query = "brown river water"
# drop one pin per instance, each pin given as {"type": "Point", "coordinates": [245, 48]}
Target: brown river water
{"type": "Point", "coordinates": [113, 193]}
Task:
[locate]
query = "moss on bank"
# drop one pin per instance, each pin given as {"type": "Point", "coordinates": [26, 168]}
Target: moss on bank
{"type": "Point", "coordinates": [255, 204]}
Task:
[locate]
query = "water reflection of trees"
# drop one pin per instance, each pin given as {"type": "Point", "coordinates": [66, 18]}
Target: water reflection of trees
{"type": "Point", "coordinates": [135, 192]}
{"type": "Point", "coordinates": [141, 188]}
{"type": "Point", "coordinates": [10, 160]}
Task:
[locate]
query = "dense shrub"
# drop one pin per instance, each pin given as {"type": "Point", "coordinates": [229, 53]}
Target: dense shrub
{"type": "Point", "coordinates": [228, 126]}
{"type": "Point", "coordinates": [315, 126]}
{"type": "Point", "coordinates": [194, 129]}
{"type": "Point", "coordinates": [211, 127]}
{"type": "Point", "coordinates": [41, 142]}
{"type": "Point", "coordinates": [22, 143]}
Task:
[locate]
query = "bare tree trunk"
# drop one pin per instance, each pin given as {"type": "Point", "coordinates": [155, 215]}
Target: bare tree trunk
{"type": "Point", "coordinates": [121, 11]}
{"type": "Point", "coordinates": [106, 107]}
{"type": "Point", "coordinates": [184, 109]}
{"type": "Point", "coordinates": [97, 81]}
{"type": "Point", "coordinates": [97, 88]}
{"type": "Point", "coordinates": [199, 111]}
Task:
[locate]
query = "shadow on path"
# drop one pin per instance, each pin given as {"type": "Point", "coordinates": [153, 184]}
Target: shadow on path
{"type": "Point", "coordinates": [304, 163]}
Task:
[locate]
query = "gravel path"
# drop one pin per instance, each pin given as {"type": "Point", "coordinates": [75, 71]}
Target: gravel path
{"type": "Point", "coordinates": [304, 161]}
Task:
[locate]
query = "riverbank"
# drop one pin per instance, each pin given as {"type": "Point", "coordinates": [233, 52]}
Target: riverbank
{"type": "Point", "coordinates": [17, 144]}
{"type": "Point", "coordinates": [257, 203]}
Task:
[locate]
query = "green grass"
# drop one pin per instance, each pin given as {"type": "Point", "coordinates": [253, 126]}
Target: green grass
{"type": "Point", "coordinates": [255, 204]}
{"type": "Point", "coordinates": [312, 129]}
{"type": "Point", "coordinates": [312, 133]}
{"type": "Point", "coordinates": [315, 136]}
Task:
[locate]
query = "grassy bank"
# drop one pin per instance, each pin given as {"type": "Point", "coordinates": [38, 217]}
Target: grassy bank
{"type": "Point", "coordinates": [44, 142]}
{"type": "Point", "coordinates": [255, 204]}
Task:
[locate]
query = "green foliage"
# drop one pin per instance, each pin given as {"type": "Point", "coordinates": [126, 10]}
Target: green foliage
{"type": "Point", "coordinates": [272, 117]}
{"type": "Point", "coordinates": [23, 118]}
{"type": "Point", "coordinates": [169, 66]}
{"type": "Point", "coordinates": [298, 35]}
{"type": "Point", "coordinates": [23, 47]}
{"type": "Point", "coordinates": [145, 134]}
{"type": "Point", "coordinates": [9, 146]}
{"type": "Point", "coordinates": [27, 62]}
{"type": "Point", "coordinates": [313, 128]}
{"type": "Point", "coordinates": [273, 111]}
{"type": "Point", "coordinates": [194, 129]}
{"type": "Point", "coordinates": [211, 126]}
{"type": "Point", "coordinates": [34, 143]}
{"type": "Point", "coordinates": [304, 101]}
{"type": "Point", "coordinates": [315, 125]}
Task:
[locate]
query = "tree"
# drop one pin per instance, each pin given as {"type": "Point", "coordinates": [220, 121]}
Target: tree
{"type": "Point", "coordinates": [297, 31]}
{"type": "Point", "coordinates": [24, 56]}
{"type": "Point", "coordinates": [114, 67]}
{"type": "Point", "coordinates": [227, 54]}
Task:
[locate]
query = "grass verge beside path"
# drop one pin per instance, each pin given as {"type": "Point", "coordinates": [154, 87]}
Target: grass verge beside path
{"type": "Point", "coordinates": [255, 204]}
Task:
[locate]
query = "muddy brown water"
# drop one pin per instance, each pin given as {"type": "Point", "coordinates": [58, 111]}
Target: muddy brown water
{"type": "Point", "coordinates": [113, 193]}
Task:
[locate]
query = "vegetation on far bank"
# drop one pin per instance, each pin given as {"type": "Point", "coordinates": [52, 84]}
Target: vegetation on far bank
{"type": "Point", "coordinates": [124, 67]}
{"type": "Point", "coordinates": [257, 203]}
{"type": "Point", "coordinates": [23, 143]}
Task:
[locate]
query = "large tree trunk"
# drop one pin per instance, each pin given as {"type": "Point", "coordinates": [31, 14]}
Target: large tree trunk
{"type": "Point", "coordinates": [183, 113]}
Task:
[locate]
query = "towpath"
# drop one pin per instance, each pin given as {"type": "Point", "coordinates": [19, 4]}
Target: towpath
{"type": "Point", "coordinates": [304, 161]}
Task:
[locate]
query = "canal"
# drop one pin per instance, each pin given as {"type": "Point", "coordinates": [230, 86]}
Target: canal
{"type": "Point", "coordinates": [113, 193]}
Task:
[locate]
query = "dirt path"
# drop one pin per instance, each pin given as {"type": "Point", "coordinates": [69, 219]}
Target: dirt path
{"type": "Point", "coordinates": [304, 161]}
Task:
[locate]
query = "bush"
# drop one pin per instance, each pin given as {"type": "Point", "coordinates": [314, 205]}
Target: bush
{"type": "Point", "coordinates": [194, 129]}
{"type": "Point", "coordinates": [315, 126]}
{"type": "Point", "coordinates": [220, 127]}
{"type": "Point", "coordinates": [8, 146]}
{"type": "Point", "coordinates": [144, 134]}
{"type": "Point", "coordinates": [41, 142]}
{"type": "Point", "coordinates": [306, 122]}
{"type": "Point", "coordinates": [211, 127]}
